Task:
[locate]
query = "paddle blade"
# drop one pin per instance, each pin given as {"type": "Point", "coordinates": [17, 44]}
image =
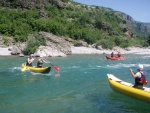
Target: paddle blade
{"type": "Point", "coordinates": [23, 69]}
{"type": "Point", "coordinates": [56, 68]}
{"type": "Point", "coordinates": [145, 82]}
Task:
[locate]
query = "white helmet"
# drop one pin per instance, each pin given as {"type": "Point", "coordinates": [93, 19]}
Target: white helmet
{"type": "Point", "coordinates": [140, 66]}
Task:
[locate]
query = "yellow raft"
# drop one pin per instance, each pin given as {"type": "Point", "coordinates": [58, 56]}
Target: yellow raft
{"type": "Point", "coordinates": [128, 89]}
{"type": "Point", "coordinates": [35, 69]}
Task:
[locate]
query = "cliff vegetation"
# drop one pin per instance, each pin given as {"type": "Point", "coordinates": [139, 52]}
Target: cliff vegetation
{"type": "Point", "coordinates": [92, 24]}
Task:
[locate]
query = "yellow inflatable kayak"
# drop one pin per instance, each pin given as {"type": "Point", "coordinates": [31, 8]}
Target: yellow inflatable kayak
{"type": "Point", "coordinates": [35, 69]}
{"type": "Point", "coordinates": [128, 89]}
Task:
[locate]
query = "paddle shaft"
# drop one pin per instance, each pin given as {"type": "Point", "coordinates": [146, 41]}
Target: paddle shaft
{"type": "Point", "coordinates": [55, 67]}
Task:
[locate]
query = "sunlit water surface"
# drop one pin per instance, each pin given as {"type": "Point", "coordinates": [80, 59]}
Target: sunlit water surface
{"type": "Point", "coordinates": [81, 86]}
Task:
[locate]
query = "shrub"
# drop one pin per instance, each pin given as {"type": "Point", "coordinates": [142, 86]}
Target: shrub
{"type": "Point", "coordinates": [118, 41]}
{"type": "Point", "coordinates": [106, 44]}
{"type": "Point", "coordinates": [33, 43]}
{"type": "Point", "coordinates": [6, 40]}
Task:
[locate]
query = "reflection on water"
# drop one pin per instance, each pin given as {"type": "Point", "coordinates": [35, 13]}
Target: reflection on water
{"type": "Point", "coordinates": [31, 78]}
{"type": "Point", "coordinates": [57, 75]}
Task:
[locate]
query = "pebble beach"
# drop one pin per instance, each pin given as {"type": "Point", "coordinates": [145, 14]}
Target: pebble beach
{"type": "Point", "coordinates": [87, 50]}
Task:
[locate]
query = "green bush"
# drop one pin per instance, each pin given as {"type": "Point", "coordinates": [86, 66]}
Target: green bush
{"type": "Point", "coordinates": [106, 44]}
{"type": "Point", "coordinates": [4, 29]}
{"type": "Point", "coordinates": [125, 44]}
{"type": "Point", "coordinates": [118, 41]}
{"type": "Point", "coordinates": [6, 40]}
{"type": "Point", "coordinates": [33, 43]}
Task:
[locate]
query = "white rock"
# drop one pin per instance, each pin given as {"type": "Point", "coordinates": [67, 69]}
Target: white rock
{"type": "Point", "coordinates": [5, 51]}
{"type": "Point", "coordinates": [48, 51]}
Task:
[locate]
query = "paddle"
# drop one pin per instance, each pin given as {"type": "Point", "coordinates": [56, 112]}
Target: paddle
{"type": "Point", "coordinates": [23, 68]}
{"type": "Point", "coordinates": [55, 67]}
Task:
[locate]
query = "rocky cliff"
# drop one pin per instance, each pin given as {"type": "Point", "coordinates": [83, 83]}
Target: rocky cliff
{"type": "Point", "coordinates": [140, 27]}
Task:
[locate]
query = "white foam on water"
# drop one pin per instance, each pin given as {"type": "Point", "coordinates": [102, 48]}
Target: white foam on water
{"type": "Point", "coordinates": [57, 75]}
{"type": "Point", "coordinates": [72, 67]}
{"type": "Point", "coordinates": [42, 74]}
{"type": "Point", "coordinates": [120, 65]}
{"type": "Point", "coordinates": [87, 72]}
{"type": "Point", "coordinates": [146, 57]}
{"type": "Point", "coordinates": [15, 68]}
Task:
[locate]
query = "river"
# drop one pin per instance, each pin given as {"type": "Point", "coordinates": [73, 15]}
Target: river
{"type": "Point", "coordinates": [81, 86]}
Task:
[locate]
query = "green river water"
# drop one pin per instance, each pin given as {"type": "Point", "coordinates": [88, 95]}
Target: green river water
{"type": "Point", "coordinates": [81, 86]}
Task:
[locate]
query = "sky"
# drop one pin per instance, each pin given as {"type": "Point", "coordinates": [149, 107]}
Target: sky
{"type": "Point", "coordinates": [139, 10]}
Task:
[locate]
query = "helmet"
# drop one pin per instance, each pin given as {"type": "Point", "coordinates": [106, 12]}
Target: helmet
{"type": "Point", "coordinates": [140, 66]}
{"type": "Point", "coordinates": [31, 55]}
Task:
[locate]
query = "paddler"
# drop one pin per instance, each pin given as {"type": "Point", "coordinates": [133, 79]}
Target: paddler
{"type": "Point", "coordinates": [29, 60]}
{"type": "Point", "coordinates": [140, 77]}
{"type": "Point", "coordinates": [40, 62]}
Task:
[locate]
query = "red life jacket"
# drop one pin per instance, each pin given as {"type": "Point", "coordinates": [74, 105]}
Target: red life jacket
{"type": "Point", "coordinates": [141, 80]}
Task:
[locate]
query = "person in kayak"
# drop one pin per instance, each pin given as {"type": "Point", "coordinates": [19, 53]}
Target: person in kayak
{"type": "Point", "coordinates": [139, 76]}
{"type": "Point", "coordinates": [112, 54]}
{"type": "Point", "coordinates": [40, 62]}
{"type": "Point", "coordinates": [29, 60]}
{"type": "Point", "coordinates": [119, 54]}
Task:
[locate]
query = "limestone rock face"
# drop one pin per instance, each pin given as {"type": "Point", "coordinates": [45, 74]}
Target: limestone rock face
{"type": "Point", "coordinates": [15, 50]}
{"type": "Point", "coordinates": [81, 43]}
{"type": "Point", "coordinates": [55, 46]}
{"type": "Point", "coordinates": [135, 25]}
{"type": "Point", "coordinates": [48, 51]}
{"type": "Point", "coordinates": [56, 43]}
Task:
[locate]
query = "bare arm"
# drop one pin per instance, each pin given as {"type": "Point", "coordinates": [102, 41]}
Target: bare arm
{"type": "Point", "coordinates": [30, 60]}
{"type": "Point", "coordinates": [132, 73]}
